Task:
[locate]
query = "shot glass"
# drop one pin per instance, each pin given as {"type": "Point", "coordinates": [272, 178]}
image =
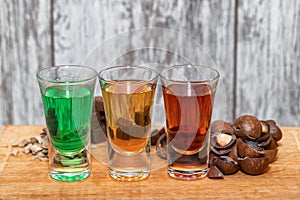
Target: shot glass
{"type": "Point", "coordinates": [128, 94]}
{"type": "Point", "coordinates": [67, 94]}
{"type": "Point", "coordinates": [188, 93]}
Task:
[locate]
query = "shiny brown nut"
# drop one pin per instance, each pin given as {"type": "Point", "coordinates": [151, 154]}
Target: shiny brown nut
{"type": "Point", "coordinates": [214, 173]}
{"type": "Point", "coordinates": [275, 131]}
{"type": "Point", "coordinates": [248, 149]}
{"type": "Point", "coordinates": [272, 145]}
{"type": "Point", "coordinates": [227, 165]}
{"type": "Point", "coordinates": [221, 152]}
{"type": "Point", "coordinates": [265, 127]}
{"type": "Point", "coordinates": [271, 122]}
{"type": "Point", "coordinates": [271, 154]}
{"type": "Point", "coordinates": [247, 126]}
{"type": "Point", "coordinates": [263, 137]}
{"type": "Point", "coordinates": [221, 126]}
{"type": "Point", "coordinates": [265, 142]}
{"type": "Point", "coordinates": [221, 140]}
{"type": "Point", "coordinates": [233, 153]}
{"type": "Point", "coordinates": [221, 143]}
{"type": "Point", "coordinates": [253, 166]}
{"type": "Point", "coordinates": [212, 157]}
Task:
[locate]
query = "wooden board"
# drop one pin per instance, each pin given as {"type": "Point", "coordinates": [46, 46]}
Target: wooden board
{"type": "Point", "coordinates": [268, 60]}
{"type": "Point", "coordinates": [21, 178]}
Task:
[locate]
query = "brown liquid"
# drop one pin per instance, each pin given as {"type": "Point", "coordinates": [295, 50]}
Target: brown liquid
{"type": "Point", "coordinates": [188, 114]}
{"type": "Point", "coordinates": [128, 106]}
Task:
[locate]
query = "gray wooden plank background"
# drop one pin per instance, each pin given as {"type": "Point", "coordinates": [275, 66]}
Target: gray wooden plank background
{"type": "Point", "coordinates": [268, 60]}
{"type": "Point", "coordinates": [254, 44]}
{"type": "Point", "coordinates": [25, 44]}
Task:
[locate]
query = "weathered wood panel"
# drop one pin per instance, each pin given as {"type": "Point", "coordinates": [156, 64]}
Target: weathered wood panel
{"type": "Point", "coordinates": [268, 60]}
{"type": "Point", "coordinates": [267, 48]}
{"type": "Point", "coordinates": [25, 47]}
{"type": "Point", "coordinates": [81, 25]}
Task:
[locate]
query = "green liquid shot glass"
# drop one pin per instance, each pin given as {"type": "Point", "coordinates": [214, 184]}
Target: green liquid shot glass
{"type": "Point", "coordinates": [67, 94]}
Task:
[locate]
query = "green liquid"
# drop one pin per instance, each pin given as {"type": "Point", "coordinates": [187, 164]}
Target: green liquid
{"type": "Point", "coordinates": [68, 116]}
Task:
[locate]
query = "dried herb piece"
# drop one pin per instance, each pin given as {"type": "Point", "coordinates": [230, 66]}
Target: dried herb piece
{"type": "Point", "coordinates": [37, 146]}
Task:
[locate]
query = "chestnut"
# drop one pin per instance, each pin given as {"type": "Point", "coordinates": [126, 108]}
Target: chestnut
{"type": "Point", "coordinates": [222, 140]}
{"type": "Point", "coordinates": [247, 126]}
{"type": "Point", "coordinates": [248, 148]}
{"type": "Point", "coordinates": [221, 143]}
{"type": "Point", "coordinates": [264, 127]}
{"type": "Point", "coordinates": [233, 153]}
{"type": "Point", "coordinates": [253, 166]}
{"type": "Point", "coordinates": [214, 173]}
{"type": "Point", "coordinates": [220, 152]}
{"type": "Point", "coordinates": [212, 157]}
{"type": "Point", "coordinates": [221, 126]}
{"type": "Point", "coordinates": [263, 137]}
{"type": "Point", "coordinates": [227, 165]}
{"type": "Point", "coordinates": [274, 130]}
{"type": "Point", "coordinates": [272, 145]}
{"type": "Point", "coordinates": [271, 154]}
{"type": "Point", "coordinates": [265, 142]}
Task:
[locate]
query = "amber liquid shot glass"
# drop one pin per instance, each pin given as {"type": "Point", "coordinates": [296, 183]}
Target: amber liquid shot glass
{"type": "Point", "coordinates": [188, 93]}
{"type": "Point", "coordinates": [128, 94]}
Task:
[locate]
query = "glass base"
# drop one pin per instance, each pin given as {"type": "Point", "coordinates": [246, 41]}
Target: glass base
{"type": "Point", "coordinates": [70, 176]}
{"type": "Point", "coordinates": [187, 175]}
{"type": "Point", "coordinates": [128, 176]}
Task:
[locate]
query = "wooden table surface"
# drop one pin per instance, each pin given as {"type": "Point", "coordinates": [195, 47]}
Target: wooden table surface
{"type": "Point", "coordinates": [21, 178]}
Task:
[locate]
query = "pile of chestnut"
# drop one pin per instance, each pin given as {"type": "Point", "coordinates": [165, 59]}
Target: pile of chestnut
{"type": "Point", "coordinates": [247, 144]}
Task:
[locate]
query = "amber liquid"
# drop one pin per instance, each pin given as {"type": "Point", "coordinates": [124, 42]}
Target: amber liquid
{"type": "Point", "coordinates": [128, 106]}
{"type": "Point", "coordinates": [188, 114]}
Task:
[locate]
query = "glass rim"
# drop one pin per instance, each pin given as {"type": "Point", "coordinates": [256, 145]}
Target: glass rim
{"type": "Point", "coordinates": [128, 66]}
{"type": "Point", "coordinates": [39, 77]}
{"type": "Point", "coordinates": [216, 77]}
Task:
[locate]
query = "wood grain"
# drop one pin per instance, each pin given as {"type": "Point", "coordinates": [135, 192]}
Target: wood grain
{"type": "Point", "coordinates": [25, 47]}
{"type": "Point", "coordinates": [281, 181]}
{"type": "Point", "coordinates": [268, 58]}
